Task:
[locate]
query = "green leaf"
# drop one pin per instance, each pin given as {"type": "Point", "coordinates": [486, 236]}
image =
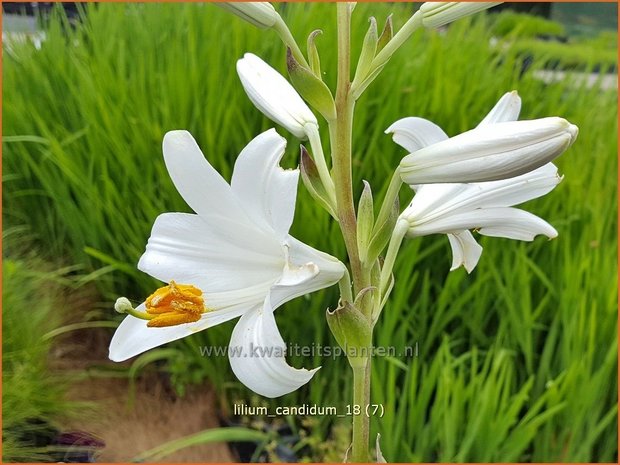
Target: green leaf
{"type": "Point", "coordinates": [365, 221]}
{"type": "Point", "coordinates": [312, 181]}
{"type": "Point", "coordinates": [310, 87]}
{"type": "Point", "coordinates": [386, 34]}
{"type": "Point", "coordinates": [235, 434]}
{"type": "Point", "coordinates": [313, 53]}
{"type": "Point", "coordinates": [369, 49]}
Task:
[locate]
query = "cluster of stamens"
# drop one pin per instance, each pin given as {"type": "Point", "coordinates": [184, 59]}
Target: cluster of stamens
{"type": "Point", "coordinates": [174, 304]}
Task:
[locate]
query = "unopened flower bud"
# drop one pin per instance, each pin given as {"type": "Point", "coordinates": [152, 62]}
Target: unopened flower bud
{"type": "Point", "coordinates": [260, 14]}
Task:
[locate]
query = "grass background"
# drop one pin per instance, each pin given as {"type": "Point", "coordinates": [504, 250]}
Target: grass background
{"type": "Point", "coordinates": [516, 362]}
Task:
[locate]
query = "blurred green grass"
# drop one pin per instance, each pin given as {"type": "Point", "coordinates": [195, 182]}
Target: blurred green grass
{"type": "Point", "coordinates": [517, 362]}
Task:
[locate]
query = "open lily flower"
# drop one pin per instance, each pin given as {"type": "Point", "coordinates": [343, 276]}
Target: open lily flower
{"type": "Point", "coordinates": [274, 96]}
{"type": "Point", "coordinates": [486, 206]}
{"type": "Point", "coordinates": [499, 148]}
{"type": "Point", "coordinates": [474, 204]}
{"type": "Point", "coordinates": [233, 258]}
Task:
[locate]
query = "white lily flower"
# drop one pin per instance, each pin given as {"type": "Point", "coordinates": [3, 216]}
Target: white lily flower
{"type": "Point", "coordinates": [414, 134]}
{"type": "Point", "coordinates": [261, 14]}
{"type": "Point", "coordinates": [235, 258]}
{"type": "Point", "coordinates": [453, 209]}
{"type": "Point", "coordinates": [498, 148]}
{"type": "Point", "coordinates": [437, 14]}
{"type": "Point", "coordinates": [274, 95]}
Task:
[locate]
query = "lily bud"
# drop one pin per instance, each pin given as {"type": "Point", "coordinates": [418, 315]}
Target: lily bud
{"type": "Point", "coordinates": [437, 14]}
{"type": "Point", "coordinates": [260, 14]}
{"type": "Point", "coordinates": [489, 152]}
{"type": "Point", "coordinates": [273, 95]}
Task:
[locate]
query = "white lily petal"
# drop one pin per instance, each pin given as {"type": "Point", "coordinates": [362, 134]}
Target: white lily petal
{"type": "Point", "coordinates": [307, 270]}
{"type": "Point", "coordinates": [437, 14]}
{"type": "Point", "coordinates": [437, 200]}
{"type": "Point", "coordinates": [465, 250]}
{"type": "Point", "coordinates": [133, 337]}
{"type": "Point", "coordinates": [261, 363]}
{"type": "Point", "coordinates": [490, 152]}
{"type": "Point", "coordinates": [506, 109]}
{"type": "Point", "coordinates": [200, 185]}
{"type": "Point", "coordinates": [184, 248]}
{"type": "Point", "coordinates": [273, 95]}
{"type": "Point", "coordinates": [511, 223]}
{"type": "Point", "coordinates": [266, 191]}
{"type": "Point", "coordinates": [260, 14]}
{"type": "Point", "coordinates": [414, 133]}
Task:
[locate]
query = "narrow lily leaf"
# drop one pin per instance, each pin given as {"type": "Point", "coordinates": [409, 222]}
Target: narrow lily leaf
{"type": "Point", "coordinates": [386, 35]}
{"type": "Point", "coordinates": [312, 181]}
{"type": "Point", "coordinates": [365, 221]}
{"type": "Point", "coordinates": [369, 49]}
{"type": "Point", "coordinates": [382, 233]}
{"type": "Point", "coordinates": [313, 54]}
{"type": "Point", "coordinates": [312, 89]}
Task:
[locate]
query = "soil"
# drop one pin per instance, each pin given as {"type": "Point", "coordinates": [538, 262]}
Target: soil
{"type": "Point", "coordinates": [132, 425]}
{"type": "Point", "coordinates": [155, 416]}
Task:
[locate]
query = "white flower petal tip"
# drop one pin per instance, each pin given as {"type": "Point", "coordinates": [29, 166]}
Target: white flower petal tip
{"type": "Point", "coordinates": [466, 251]}
{"type": "Point", "coordinates": [490, 152]}
{"type": "Point", "coordinates": [260, 14]}
{"type": "Point", "coordinates": [437, 14]}
{"type": "Point", "coordinates": [274, 96]}
{"type": "Point", "coordinates": [507, 108]}
{"type": "Point", "coordinates": [415, 133]}
{"type": "Point", "coordinates": [258, 356]}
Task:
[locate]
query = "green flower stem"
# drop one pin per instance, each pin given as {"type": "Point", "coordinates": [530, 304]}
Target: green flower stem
{"type": "Point", "coordinates": [285, 34]}
{"type": "Point", "coordinates": [399, 39]}
{"type": "Point", "coordinates": [390, 257]}
{"type": "Point", "coordinates": [390, 197]}
{"type": "Point", "coordinates": [312, 131]}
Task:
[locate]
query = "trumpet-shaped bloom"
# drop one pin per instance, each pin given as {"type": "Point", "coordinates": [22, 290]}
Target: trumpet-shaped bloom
{"type": "Point", "coordinates": [233, 258]}
{"type": "Point", "coordinates": [437, 14]}
{"type": "Point", "coordinates": [453, 209]}
{"type": "Point", "coordinates": [260, 14]}
{"type": "Point", "coordinates": [487, 207]}
{"type": "Point", "coordinates": [274, 96]}
{"type": "Point", "coordinates": [499, 148]}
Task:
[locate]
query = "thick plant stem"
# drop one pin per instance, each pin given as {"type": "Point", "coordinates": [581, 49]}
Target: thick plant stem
{"type": "Point", "coordinates": [340, 135]}
{"type": "Point", "coordinates": [340, 132]}
{"type": "Point", "coordinates": [361, 421]}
